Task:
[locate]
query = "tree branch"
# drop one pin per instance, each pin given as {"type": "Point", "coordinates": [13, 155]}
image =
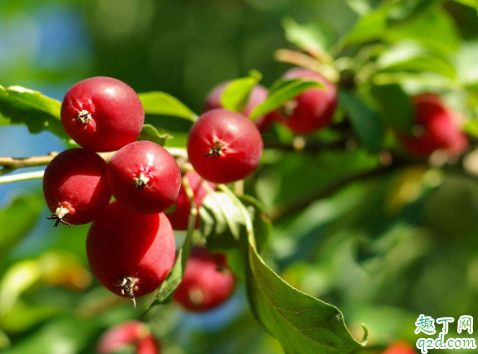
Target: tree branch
{"type": "Point", "coordinates": [10, 164]}
{"type": "Point", "coordinates": [22, 177]}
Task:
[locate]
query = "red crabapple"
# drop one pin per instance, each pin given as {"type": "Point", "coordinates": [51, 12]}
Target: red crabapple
{"type": "Point", "coordinates": [75, 187]}
{"type": "Point", "coordinates": [179, 218]}
{"type": "Point", "coordinates": [257, 96]}
{"type": "Point", "coordinates": [102, 114]}
{"type": "Point", "coordinates": [313, 109]}
{"type": "Point", "coordinates": [130, 254]}
{"type": "Point", "coordinates": [400, 347]}
{"type": "Point", "coordinates": [144, 177]}
{"type": "Point", "coordinates": [132, 333]}
{"type": "Point", "coordinates": [435, 129]}
{"type": "Point", "coordinates": [224, 146]}
{"type": "Point", "coordinates": [206, 283]}
{"type": "Point", "coordinates": [148, 345]}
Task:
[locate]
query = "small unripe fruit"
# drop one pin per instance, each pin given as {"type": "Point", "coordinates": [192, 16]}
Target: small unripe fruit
{"type": "Point", "coordinates": [75, 187]}
{"type": "Point", "coordinates": [258, 95]}
{"type": "Point", "coordinates": [435, 129]}
{"type": "Point", "coordinates": [144, 177]}
{"type": "Point", "coordinates": [130, 254]}
{"type": "Point", "coordinates": [132, 333]}
{"type": "Point", "coordinates": [313, 109]}
{"type": "Point", "coordinates": [179, 218]}
{"type": "Point", "coordinates": [206, 284]}
{"type": "Point", "coordinates": [102, 114]}
{"type": "Point", "coordinates": [224, 146]}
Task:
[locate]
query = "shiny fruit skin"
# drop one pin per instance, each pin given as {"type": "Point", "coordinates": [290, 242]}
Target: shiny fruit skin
{"type": "Point", "coordinates": [224, 146]}
{"type": "Point", "coordinates": [179, 218]}
{"type": "Point", "coordinates": [440, 131]}
{"type": "Point", "coordinates": [206, 284]}
{"type": "Point", "coordinates": [76, 180]}
{"type": "Point", "coordinates": [313, 109]}
{"type": "Point", "coordinates": [258, 95]}
{"type": "Point", "coordinates": [160, 173]}
{"type": "Point", "coordinates": [124, 244]}
{"type": "Point", "coordinates": [128, 333]}
{"type": "Point", "coordinates": [115, 119]}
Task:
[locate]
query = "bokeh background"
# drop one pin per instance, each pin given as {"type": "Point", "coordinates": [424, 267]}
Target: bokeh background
{"type": "Point", "coordinates": [383, 249]}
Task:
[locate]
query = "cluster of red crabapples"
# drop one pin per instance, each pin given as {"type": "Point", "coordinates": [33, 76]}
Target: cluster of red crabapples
{"type": "Point", "coordinates": [130, 244]}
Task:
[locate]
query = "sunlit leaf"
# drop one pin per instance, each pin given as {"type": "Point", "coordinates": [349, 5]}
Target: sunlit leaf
{"type": "Point", "coordinates": [236, 94]}
{"type": "Point", "coordinates": [38, 112]}
{"type": "Point", "coordinates": [466, 63]}
{"type": "Point", "coordinates": [308, 37]}
{"type": "Point", "coordinates": [151, 133]}
{"type": "Point", "coordinates": [471, 127]}
{"type": "Point", "coordinates": [161, 103]}
{"type": "Point", "coordinates": [300, 322]}
{"type": "Point", "coordinates": [281, 92]}
{"type": "Point", "coordinates": [423, 21]}
{"type": "Point", "coordinates": [361, 7]}
{"type": "Point", "coordinates": [222, 222]}
{"type": "Point", "coordinates": [17, 279]}
{"type": "Point", "coordinates": [410, 56]}
{"type": "Point", "coordinates": [407, 10]}
{"type": "Point", "coordinates": [434, 29]}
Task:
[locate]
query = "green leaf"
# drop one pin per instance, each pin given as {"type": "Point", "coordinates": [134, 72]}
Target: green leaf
{"type": "Point", "coordinates": [151, 133]}
{"type": "Point", "coordinates": [308, 37]}
{"type": "Point", "coordinates": [369, 27]}
{"type": "Point", "coordinates": [38, 112]}
{"type": "Point", "coordinates": [406, 10]}
{"type": "Point", "coordinates": [175, 276]}
{"type": "Point", "coordinates": [222, 223]}
{"type": "Point", "coordinates": [410, 56]}
{"type": "Point", "coordinates": [416, 83]}
{"type": "Point", "coordinates": [471, 127]}
{"type": "Point", "coordinates": [301, 323]}
{"type": "Point", "coordinates": [281, 92]}
{"type": "Point", "coordinates": [466, 63]}
{"type": "Point", "coordinates": [396, 106]}
{"type": "Point", "coordinates": [418, 20]}
{"type": "Point", "coordinates": [260, 220]}
{"type": "Point", "coordinates": [161, 103]}
{"type": "Point", "coordinates": [16, 280]}
{"type": "Point", "coordinates": [16, 220]}
{"type": "Point", "coordinates": [434, 29]}
{"type": "Point", "coordinates": [236, 94]}
{"type": "Point", "coordinates": [360, 7]}
{"type": "Point", "coordinates": [366, 121]}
